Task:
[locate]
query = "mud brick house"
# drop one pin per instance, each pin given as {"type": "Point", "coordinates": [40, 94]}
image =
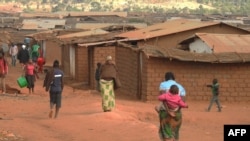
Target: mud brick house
{"type": "Point", "coordinates": [143, 56]}
{"type": "Point", "coordinates": [77, 59]}
{"type": "Point", "coordinates": [49, 43]}
{"type": "Point", "coordinates": [227, 60]}
{"type": "Point", "coordinates": [81, 51]}
{"type": "Point", "coordinates": [157, 49]}
{"type": "Point", "coordinates": [47, 26]}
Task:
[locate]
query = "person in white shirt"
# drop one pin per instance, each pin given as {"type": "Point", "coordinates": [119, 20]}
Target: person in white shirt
{"type": "Point", "coordinates": [13, 52]}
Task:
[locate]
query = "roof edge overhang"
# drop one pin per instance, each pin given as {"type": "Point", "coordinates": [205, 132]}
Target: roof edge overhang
{"type": "Point", "coordinates": [103, 42]}
{"type": "Point", "coordinates": [181, 55]}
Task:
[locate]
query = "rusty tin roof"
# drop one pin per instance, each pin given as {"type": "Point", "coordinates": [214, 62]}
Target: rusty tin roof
{"type": "Point", "coordinates": [221, 43]}
{"type": "Point", "coordinates": [83, 33]}
{"type": "Point", "coordinates": [42, 23]}
{"type": "Point", "coordinates": [166, 28]}
{"type": "Point", "coordinates": [181, 55]}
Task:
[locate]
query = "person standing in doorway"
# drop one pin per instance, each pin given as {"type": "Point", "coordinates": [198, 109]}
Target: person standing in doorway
{"type": "Point", "coordinates": [13, 53]}
{"type": "Point", "coordinates": [109, 81]}
{"type": "Point", "coordinates": [97, 76]}
{"type": "Point", "coordinates": [53, 83]}
{"type": "Point", "coordinates": [215, 92]}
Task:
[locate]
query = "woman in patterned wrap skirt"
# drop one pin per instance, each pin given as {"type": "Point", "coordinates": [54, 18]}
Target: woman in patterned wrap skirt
{"type": "Point", "coordinates": [108, 83]}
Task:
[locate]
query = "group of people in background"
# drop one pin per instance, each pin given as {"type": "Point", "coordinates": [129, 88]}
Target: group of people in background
{"type": "Point", "coordinates": [31, 60]}
{"type": "Point", "coordinates": [31, 63]}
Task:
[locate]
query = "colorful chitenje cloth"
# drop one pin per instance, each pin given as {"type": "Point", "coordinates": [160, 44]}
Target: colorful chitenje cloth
{"type": "Point", "coordinates": [169, 126]}
{"type": "Point", "coordinates": [108, 95]}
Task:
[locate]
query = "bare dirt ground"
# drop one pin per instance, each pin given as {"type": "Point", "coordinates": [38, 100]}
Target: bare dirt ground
{"type": "Point", "coordinates": [24, 117]}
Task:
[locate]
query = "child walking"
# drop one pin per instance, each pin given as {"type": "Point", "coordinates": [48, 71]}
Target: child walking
{"type": "Point", "coordinates": [215, 92]}
{"type": "Point", "coordinates": [30, 75]}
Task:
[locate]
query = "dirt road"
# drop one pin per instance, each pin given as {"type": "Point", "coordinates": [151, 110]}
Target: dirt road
{"type": "Point", "coordinates": [81, 117]}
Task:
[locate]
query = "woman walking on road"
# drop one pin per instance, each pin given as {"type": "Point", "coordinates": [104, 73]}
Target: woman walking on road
{"type": "Point", "coordinates": [170, 124]}
{"type": "Point", "coordinates": [108, 83]}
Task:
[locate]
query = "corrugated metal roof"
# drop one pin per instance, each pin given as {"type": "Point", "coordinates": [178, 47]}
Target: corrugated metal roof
{"type": "Point", "coordinates": [103, 25]}
{"type": "Point", "coordinates": [29, 26]}
{"type": "Point", "coordinates": [73, 14]}
{"type": "Point", "coordinates": [89, 39]}
{"type": "Point", "coordinates": [221, 43]}
{"type": "Point", "coordinates": [84, 33]}
{"type": "Point", "coordinates": [101, 42]}
{"type": "Point", "coordinates": [51, 34]}
{"type": "Point", "coordinates": [166, 28]}
{"type": "Point", "coordinates": [178, 54]}
{"type": "Point", "coordinates": [91, 25]}
{"type": "Point", "coordinates": [36, 14]}
{"type": "Point", "coordinates": [43, 35]}
{"type": "Point", "coordinates": [42, 23]}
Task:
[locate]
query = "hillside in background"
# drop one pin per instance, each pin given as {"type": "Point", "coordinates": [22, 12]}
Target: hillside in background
{"type": "Point", "coordinates": [150, 6]}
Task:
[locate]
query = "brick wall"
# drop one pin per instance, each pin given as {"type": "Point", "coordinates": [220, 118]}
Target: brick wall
{"type": "Point", "coordinates": [51, 48]}
{"type": "Point", "coordinates": [82, 65]}
{"type": "Point", "coordinates": [127, 64]}
{"type": "Point", "coordinates": [233, 78]}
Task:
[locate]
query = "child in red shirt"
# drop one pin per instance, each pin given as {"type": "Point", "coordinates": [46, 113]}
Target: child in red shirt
{"type": "Point", "coordinates": [171, 99]}
{"type": "Point", "coordinates": [30, 75]}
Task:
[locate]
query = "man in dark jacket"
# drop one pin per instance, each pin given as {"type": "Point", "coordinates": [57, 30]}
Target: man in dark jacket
{"type": "Point", "coordinates": [23, 55]}
{"type": "Point", "coordinates": [54, 84]}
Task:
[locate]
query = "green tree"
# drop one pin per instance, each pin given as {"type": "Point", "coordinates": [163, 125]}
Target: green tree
{"type": "Point", "coordinates": [25, 3]}
{"type": "Point", "coordinates": [95, 6]}
{"type": "Point", "coordinates": [59, 7]}
{"type": "Point", "coordinates": [44, 1]}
